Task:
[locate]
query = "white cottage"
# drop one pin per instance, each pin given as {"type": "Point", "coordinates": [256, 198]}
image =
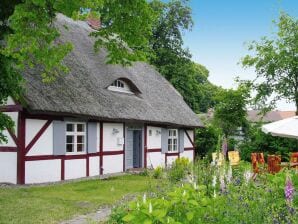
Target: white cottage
{"type": "Point", "coordinates": [98, 119]}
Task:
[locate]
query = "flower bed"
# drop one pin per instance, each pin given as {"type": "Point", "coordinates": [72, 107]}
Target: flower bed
{"type": "Point", "coordinates": [210, 194]}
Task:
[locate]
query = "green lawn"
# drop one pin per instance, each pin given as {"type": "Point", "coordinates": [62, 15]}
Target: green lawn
{"type": "Point", "coordinates": [50, 204]}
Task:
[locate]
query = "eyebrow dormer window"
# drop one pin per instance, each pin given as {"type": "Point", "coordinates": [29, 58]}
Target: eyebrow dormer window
{"type": "Point", "coordinates": [120, 86]}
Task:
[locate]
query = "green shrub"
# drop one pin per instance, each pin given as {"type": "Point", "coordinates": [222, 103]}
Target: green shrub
{"type": "Point", "coordinates": [180, 167]}
{"type": "Point", "coordinates": [158, 172]}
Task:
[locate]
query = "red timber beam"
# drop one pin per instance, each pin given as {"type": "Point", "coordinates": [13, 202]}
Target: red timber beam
{"type": "Point", "coordinates": [154, 150]}
{"type": "Point", "coordinates": [101, 148]}
{"type": "Point", "coordinates": [191, 141]}
{"type": "Point", "coordinates": [8, 149]}
{"type": "Point", "coordinates": [124, 147]}
{"type": "Point", "coordinates": [37, 136]}
{"type": "Point", "coordinates": [11, 108]}
{"type": "Point", "coordinates": [145, 146]}
{"type": "Point", "coordinates": [22, 148]}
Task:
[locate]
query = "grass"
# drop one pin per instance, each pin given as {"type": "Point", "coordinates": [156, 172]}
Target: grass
{"type": "Point", "coordinates": [54, 203]}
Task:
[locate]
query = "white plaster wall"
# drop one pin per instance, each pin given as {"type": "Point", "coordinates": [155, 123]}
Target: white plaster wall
{"type": "Point", "coordinates": [109, 139]}
{"type": "Point", "coordinates": [93, 166]}
{"type": "Point", "coordinates": [187, 154]}
{"type": "Point", "coordinates": [44, 145]}
{"type": "Point", "coordinates": [112, 164]}
{"type": "Point", "coordinates": [42, 171]}
{"type": "Point", "coordinates": [155, 159]}
{"type": "Point", "coordinates": [187, 143]}
{"type": "Point", "coordinates": [8, 167]}
{"type": "Point", "coordinates": [10, 101]}
{"type": "Point", "coordinates": [75, 168]}
{"type": "Point", "coordinates": [154, 141]}
{"type": "Point", "coordinates": [10, 142]}
{"type": "Point", "coordinates": [171, 159]}
{"type": "Point", "coordinates": [32, 127]}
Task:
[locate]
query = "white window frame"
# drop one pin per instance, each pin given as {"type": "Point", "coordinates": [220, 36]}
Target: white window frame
{"type": "Point", "coordinates": [75, 133]}
{"type": "Point", "coordinates": [172, 138]}
{"type": "Point", "coordinates": [120, 86]}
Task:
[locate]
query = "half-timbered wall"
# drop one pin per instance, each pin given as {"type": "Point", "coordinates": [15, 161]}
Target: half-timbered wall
{"type": "Point", "coordinates": [112, 147]}
{"type": "Point", "coordinates": [8, 150]}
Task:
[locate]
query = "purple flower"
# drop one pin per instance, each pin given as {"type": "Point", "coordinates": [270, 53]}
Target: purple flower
{"type": "Point", "coordinates": [224, 147]}
{"type": "Point", "coordinates": [289, 190]}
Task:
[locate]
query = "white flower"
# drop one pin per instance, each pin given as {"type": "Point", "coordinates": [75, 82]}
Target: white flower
{"type": "Point", "coordinates": [144, 198]}
{"type": "Point", "coordinates": [229, 175]}
{"type": "Point", "coordinates": [214, 194]}
{"type": "Point", "coordinates": [247, 175]}
{"type": "Point", "coordinates": [214, 181]}
{"type": "Point", "coordinates": [150, 207]}
{"type": "Point", "coordinates": [195, 186]}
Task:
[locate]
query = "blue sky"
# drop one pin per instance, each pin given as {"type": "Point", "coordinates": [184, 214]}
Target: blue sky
{"type": "Point", "coordinates": [221, 29]}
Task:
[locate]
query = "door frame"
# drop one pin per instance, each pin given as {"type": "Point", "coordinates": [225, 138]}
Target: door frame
{"type": "Point", "coordinates": [135, 127]}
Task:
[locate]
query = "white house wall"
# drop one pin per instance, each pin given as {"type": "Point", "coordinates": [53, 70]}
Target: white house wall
{"type": "Point", "coordinates": [44, 145]}
{"type": "Point", "coordinates": [171, 159]}
{"type": "Point", "coordinates": [187, 154]}
{"type": "Point", "coordinates": [75, 168]}
{"type": "Point", "coordinates": [112, 164]}
{"type": "Point", "coordinates": [10, 142]}
{"type": "Point", "coordinates": [8, 167]}
{"type": "Point", "coordinates": [155, 159]}
{"type": "Point", "coordinates": [187, 143]}
{"type": "Point", "coordinates": [94, 166]}
{"type": "Point", "coordinates": [110, 140]}
{"type": "Point", "coordinates": [154, 141]}
{"type": "Point", "coordinates": [42, 171]}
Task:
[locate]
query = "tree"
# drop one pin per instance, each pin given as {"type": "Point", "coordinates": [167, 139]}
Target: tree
{"type": "Point", "coordinates": [174, 61]}
{"type": "Point", "coordinates": [230, 110]}
{"type": "Point", "coordinates": [276, 64]}
{"type": "Point", "coordinates": [28, 38]}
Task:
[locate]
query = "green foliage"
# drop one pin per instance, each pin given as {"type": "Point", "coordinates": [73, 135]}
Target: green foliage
{"type": "Point", "coordinates": [158, 172]}
{"type": "Point", "coordinates": [258, 141]}
{"type": "Point", "coordinates": [275, 62]}
{"type": "Point", "coordinates": [174, 61]}
{"type": "Point", "coordinates": [239, 201]}
{"type": "Point", "coordinates": [179, 168]}
{"type": "Point", "coordinates": [206, 140]}
{"type": "Point", "coordinates": [230, 110]}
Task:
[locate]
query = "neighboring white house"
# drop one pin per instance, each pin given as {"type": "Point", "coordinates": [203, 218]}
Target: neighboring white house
{"type": "Point", "coordinates": [98, 119]}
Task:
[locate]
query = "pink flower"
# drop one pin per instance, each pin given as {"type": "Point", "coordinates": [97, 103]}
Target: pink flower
{"type": "Point", "coordinates": [289, 190]}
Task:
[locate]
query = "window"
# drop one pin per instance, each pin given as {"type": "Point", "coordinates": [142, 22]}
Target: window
{"type": "Point", "coordinates": [117, 83]}
{"type": "Point", "coordinates": [120, 86]}
{"type": "Point", "coordinates": [173, 140]}
{"type": "Point", "coordinates": [75, 137]}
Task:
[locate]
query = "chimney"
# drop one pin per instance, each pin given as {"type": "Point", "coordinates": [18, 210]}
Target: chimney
{"type": "Point", "coordinates": [94, 23]}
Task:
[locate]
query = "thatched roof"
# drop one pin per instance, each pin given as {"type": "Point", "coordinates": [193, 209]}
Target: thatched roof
{"type": "Point", "coordinates": [83, 92]}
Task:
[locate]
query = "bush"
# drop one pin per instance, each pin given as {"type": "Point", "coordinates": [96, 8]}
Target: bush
{"type": "Point", "coordinates": [158, 172]}
{"type": "Point", "coordinates": [179, 169]}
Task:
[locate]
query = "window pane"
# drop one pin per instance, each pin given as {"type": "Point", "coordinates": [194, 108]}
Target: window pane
{"type": "Point", "coordinates": [175, 141]}
{"type": "Point", "coordinates": [80, 139]}
{"type": "Point", "coordinates": [69, 148]}
{"type": "Point", "coordinates": [80, 128]}
{"type": "Point", "coordinates": [169, 141]}
{"type": "Point", "coordinates": [80, 147]}
{"type": "Point", "coordinates": [70, 127]}
{"type": "Point", "coordinates": [170, 133]}
{"type": "Point", "coordinates": [174, 133]}
{"type": "Point", "coordinates": [174, 147]}
{"type": "Point", "coordinates": [69, 139]}
{"type": "Point", "coordinates": [169, 148]}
